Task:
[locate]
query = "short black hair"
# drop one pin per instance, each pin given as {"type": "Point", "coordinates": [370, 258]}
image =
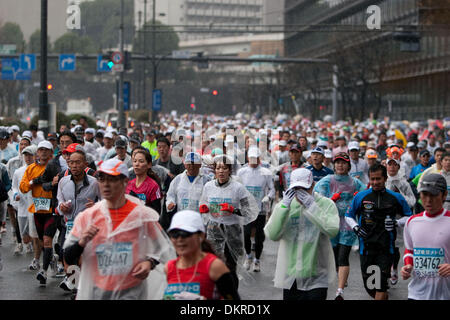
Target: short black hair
{"type": "Point", "coordinates": [33, 127]}
{"type": "Point", "coordinates": [69, 134]}
{"type": "Point", "coordinates": [378, 167]}
{"type": "Point", "coordinates": [446, 154]}
{"type": "Point", "coordinates": [163, 140]}
{"type": "Point", "coordinates": [438, 149]}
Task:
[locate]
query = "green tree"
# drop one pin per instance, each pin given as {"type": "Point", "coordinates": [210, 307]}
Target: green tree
{"type": "Point", "coordinates": [70, 42]}
{"type": "Point", "coordinates": [101, 21]}
{"type": "Point", "coordinates": [10, 33]}
{"type": "Point", "coordinates": [34, 44]}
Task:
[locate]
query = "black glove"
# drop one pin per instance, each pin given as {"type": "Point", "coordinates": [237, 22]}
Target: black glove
{"type": "Point", "coordinates": [360, 232]}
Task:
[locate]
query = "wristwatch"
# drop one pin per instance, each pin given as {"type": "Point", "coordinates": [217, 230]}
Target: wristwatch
{"type": "Point", "coordinates": [153, 262]}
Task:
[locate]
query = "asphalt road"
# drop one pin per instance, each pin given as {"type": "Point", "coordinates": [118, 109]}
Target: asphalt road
{"type": "Point", "coordinates": [18, 283]}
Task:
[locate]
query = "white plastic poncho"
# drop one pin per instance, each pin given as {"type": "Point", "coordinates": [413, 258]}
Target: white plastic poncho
{"type": "Point", "coordinates": [233, 193]}
{"type": "Point", "coordinates": [109, 258]}
{"type": "Point", "coordinates": [226, 228]}
{"type": "Point", "coordinates": [184, 194]}
{"type": "Point", "coordinates": [259, 182]}
{"type": "Point", "coordinates": [305, 254]}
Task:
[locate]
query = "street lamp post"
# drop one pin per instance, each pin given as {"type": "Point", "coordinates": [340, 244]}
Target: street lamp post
{"type": "Point", "coordinates": [144, 91]}
{"type": "Point", "coordinates": [43, 93]}
{"type": "Point", "coordinates": [121, 116]}
{"type": "Point", "coordinates": [153, 113]}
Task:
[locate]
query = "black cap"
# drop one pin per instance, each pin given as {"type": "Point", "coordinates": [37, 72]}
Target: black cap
{"type": "Point", "coordinates": [4, 134]}
{"type": "Point", "coordinates": [52, 136]}
{"type": "Point", "coordinates": [120, 144]}
{"type": "Point", "coordinates": [296, 147]}
{"type": "Point", "coordinates": [433, 183]}
{"type": "Point", "coordinates": [423, 152]}
{"type": "Point", "coordinates": [342, 156]}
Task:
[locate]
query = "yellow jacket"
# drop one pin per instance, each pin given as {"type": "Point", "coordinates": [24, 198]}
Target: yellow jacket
{"type": "Point", "coordinates": [33, 171]}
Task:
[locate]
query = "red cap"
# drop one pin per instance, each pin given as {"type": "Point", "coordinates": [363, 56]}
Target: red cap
{"type": "Point", "coordinates": [71, 148]}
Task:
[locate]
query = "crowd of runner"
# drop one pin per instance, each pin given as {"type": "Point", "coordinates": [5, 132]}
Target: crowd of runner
{"type": "Point", "coordinates": [180, 209]}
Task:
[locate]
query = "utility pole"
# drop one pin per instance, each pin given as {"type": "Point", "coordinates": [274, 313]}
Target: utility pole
{"type": "Point", "coordinates": [144, 91]}
{"type": "Point", "coordinates": [335, 86]}
{"type": "Point", "coordinates": [153, 113]}
{"type": "Point", "coordinates": [121, 116]}
{"type": "Point", "coordinates": [138, 87]}
{"type": "Point", "coordinates": [43, 93]}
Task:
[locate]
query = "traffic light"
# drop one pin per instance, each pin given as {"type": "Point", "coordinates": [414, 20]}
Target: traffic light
{"type": "Point", "coordinates": [127, 60]}
{"type": "Point", "coordinates": [215, 92]}
{"type": "Point", "coordinates": [49, 87]}
{"type": "Point", "coordinates": [193, 106]}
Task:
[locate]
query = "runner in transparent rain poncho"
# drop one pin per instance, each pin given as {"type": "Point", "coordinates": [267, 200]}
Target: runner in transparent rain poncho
{"type": "Point", "coordinates": [186, 188]}
{"type": "Point", "coordinates": [122, 246]}
{"type": "Point", "coordinates": [227, 206]}
{"type": "Point", "coordinates": [341, 188]}
{"type": "Point", "coordinates": [303, 223]}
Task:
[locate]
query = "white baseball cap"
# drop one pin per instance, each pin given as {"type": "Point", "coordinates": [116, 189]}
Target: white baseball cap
{"type": "Point", "coordinates": [114, 167]}
{"type": "Point", "coordinates": [253, 152]}
{"type": "Point", "coordinates": [193, 157]}
{"type": "Point", "coordinates": [14, 127]}
{"type": "Point", "coordinates": [108, 135]}
{"type": "Point", "coordinates": [354, 145]}
{"type": "Point", "coordinates": [30, 149]}
{"type": "Point", "coordinates": [27, 133]}
{"type": "Point", "coordinates": [45, 144]}
{"type": "Point", "coordinates": [90, 130]}
{"type": "Point", "coordinates": [187, 220]}
{"type": "Point", "coordinates": [301, 177]}
{"type": "Point", "coordinates": [282, 143]}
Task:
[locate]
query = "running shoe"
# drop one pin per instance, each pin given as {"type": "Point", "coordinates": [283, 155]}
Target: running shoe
{"type": "Point", "coordinates": [248, 263]}
{"type": "Point", "coordinates": [339, 294]}
{"type": "Point", "coordinates": [18, 249]}
{"type": "Point", "coordinates": [2, 229]}
{"type": "Point", "coordinates": [66, 285]}
{"type": "Point", "coordinates": [60, 270]}
{"type": "Point", "coordinates": [28, 248]}
{"type": "Point", "coordinates": [34, 265]}
{"type": "Point", "coordinates": [54, 263]}
{"type": "Point", "coordinates": [394, 277]}
{"type": "Point", "coordinates": [42, 277]}
{"type": "Point", "coordinates": [256, 267]}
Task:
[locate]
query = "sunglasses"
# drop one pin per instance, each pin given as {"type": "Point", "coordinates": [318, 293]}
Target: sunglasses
{"type": "Point", "coordinates": [180, 233]}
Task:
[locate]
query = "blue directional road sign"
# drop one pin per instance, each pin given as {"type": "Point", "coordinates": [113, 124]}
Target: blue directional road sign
{"type": "Point", "coordinates": [11, 70]}
{"type": "Point", "coordinates": [102, 65]}
{"type": "Point", "coordinates": [27, 62]}
{"type": "Point", "coordinates": [157, 99]}
{"type": "Point", "coordinates": [67, 62]}
{"type": "Point", "coordinates": [126, 96]}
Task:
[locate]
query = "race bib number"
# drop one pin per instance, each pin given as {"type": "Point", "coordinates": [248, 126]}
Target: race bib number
{"type": "Point", "coordinates": [255, 191]}
{"type": "Point", "coordinates": [114, 259]}
{"type": "Point", "coordinates": [142, 196]}
{"type": "Point", "coordinates": [42, 204]}
{"type": "Point", "coordinates": [69, 226]}
{"type": "Point", "coordinates": [189, 204]}
{"type": "Point", "coordinates": [427, 260]}
{"type": "Point", "coordinates": [192, 287]}
{"type": "Point", "coordinates": [214, 207]}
